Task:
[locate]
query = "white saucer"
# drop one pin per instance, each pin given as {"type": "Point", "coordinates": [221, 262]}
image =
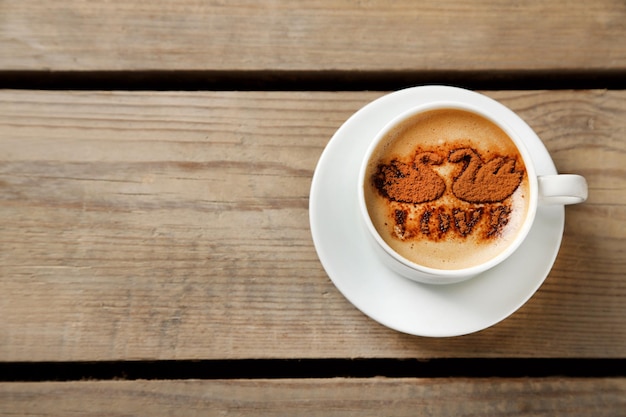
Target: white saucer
{"type": "Point", "coordinates": [396, 302]}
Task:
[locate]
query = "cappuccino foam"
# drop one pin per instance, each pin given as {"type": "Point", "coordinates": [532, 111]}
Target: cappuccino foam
{"type": "Point", "coordinates": [447, 189]}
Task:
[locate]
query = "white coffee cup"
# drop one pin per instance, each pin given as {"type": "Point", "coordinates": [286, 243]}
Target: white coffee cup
{"type": "Point", "coordinates": [543, 190]}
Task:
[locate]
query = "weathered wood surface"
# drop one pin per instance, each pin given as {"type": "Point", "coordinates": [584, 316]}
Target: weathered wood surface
{"type": "Point", "coordinates": [550, 397]}
{"type": "Point", "coordinates": [175, 226]}
{"type": "Point", "coordinates": [314, 35]}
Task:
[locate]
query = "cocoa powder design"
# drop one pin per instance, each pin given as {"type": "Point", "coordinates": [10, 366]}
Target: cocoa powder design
{"type": "Point", "coordinates": [482, 188]}
{"type": "Point", "coordinates": [411, 183]}
{"type": "Point", "coordinates": [480, 182]}
{"type": "Point", "coordinates": [435, 222]}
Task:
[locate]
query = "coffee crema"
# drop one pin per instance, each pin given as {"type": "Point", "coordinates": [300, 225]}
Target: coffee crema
{"type": "Point", "coordinates": [447, 189]}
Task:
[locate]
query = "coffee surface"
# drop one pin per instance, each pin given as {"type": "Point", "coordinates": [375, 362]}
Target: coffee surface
{"type": "Point", "coordinates": [447, 189]}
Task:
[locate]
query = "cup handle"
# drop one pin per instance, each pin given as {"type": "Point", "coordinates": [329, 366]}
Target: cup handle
{"type": "Point", "coordinates": [562, 189]}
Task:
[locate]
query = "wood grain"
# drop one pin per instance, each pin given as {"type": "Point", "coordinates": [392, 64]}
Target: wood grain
{"type": "Point", "coordinates": [318, 35]}
{"type": "Point", "coordinates": [175, 226]}
{"type": "Point", "coordinates": [326, 397]}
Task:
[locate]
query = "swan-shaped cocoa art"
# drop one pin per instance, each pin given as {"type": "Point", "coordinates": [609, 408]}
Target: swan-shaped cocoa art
{"type": "Point", "coordinates": [484, 182]}
{"type": "Point", "coordinates": [411, 183]}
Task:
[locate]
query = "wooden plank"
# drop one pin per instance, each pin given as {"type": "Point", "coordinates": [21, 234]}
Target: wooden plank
{"type": "Point", "coordinates": [313, 35]}
{"type": "Point", "coordinates": [324, 397]}
{"type": "Point", "coordinates": [175, 226]}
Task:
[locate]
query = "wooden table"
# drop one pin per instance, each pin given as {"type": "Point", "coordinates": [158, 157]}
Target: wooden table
{"type": "Point", "coordinates": [155, 165]}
